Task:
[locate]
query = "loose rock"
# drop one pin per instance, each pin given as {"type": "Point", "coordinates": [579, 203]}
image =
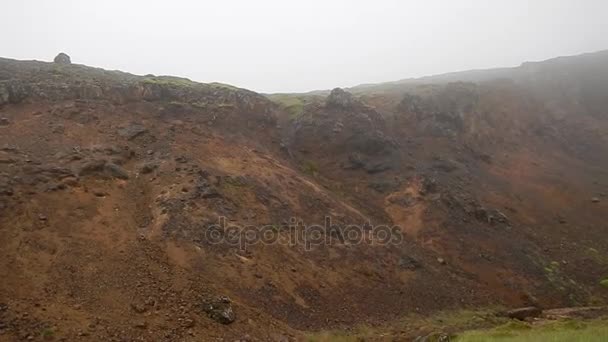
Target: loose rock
{"type": "Point", "coordinates": [132, 131]}
{"type": "Point", "coordinates": [148, 168]}
{"type": "Point", "coordinates": [220, 310]}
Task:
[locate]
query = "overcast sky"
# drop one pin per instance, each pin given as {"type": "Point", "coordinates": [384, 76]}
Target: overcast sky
{"type": "Point", "coordinates": [285, 45]}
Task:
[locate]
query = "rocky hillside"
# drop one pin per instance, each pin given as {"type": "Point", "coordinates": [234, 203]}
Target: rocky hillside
{"type": "Point", "coordinates": [138, 208]}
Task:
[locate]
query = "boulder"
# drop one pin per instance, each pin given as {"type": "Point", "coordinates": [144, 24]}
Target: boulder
{"type": "Point", "coordinates": [104, 169]}
{"type": "Point", "coordinates": [340, 98]}
{"type": "Point", "coordinates": [116, 171]}
{"type": "Point", "coordinates": [92, 167]}
{"type": "Point", "coordinates": [377, 167]}
{"type": "Point", "coordinates": [409, 263]}
{"type": "Point", "coordinates": [220, 310]}
{"type": "Point", "coordinates": [148, 167]}
{"type": "Point", "coordinates": [500, 216]}
{"type": "Point", "coordinates": [132, 131]}
{"type": "Point", "coordinates": [205, 190]}
{"type": "Point", "coordinates": [62, 58]}
{"type": "Point", "coordinates": [491, 216]}
{"type": "Point", "coordinates": [429, 186]}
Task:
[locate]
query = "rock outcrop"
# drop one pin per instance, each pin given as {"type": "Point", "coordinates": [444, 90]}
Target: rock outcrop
{"type": "Point", "coordinates": [340, 98]}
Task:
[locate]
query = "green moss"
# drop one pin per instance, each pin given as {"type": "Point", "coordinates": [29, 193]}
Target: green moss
{"type": "Point", "coordinates": [47, 334]}
{"type": "Point", "coordinates": [234, 181]}
{"type": "Point", "coordinates": [471, 324]}
{"type": "Point", "coordinates": [223, 86]}
{"type": "Point", "coordinates": [293, 104]}
{"type": "Point", "coordinates": [553, 272]}
{"type": "Point", "coordinates": [596, 256]}
{"type": "Point", "coordinates": [561, 331]}
{"type": "Point", "coordinates": [170, 80]}
{"type": "Point", "coordinates": [455, 320]}
{"type": "Point", "coordinates": [309, 167]}
{"type": "Point", "coordinates": [604, 282]}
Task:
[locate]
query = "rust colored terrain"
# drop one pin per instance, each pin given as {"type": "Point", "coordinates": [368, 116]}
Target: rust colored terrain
{"type": "Point", "coordinates": [494, 185]}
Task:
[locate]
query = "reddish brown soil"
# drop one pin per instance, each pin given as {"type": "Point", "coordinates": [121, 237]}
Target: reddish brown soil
{"type": "Point", "coordinates": [108, 183]}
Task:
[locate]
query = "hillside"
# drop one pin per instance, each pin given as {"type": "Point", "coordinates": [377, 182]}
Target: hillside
{"type": "Point", "coordinates": [119, 195]}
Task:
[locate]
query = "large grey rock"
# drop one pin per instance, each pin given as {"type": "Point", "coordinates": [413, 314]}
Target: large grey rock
{"type": "Point", "coordinates": [148, 167]}
{"type": "Point", "coordinates": [340, 98]}
{"type": "Point", "coordinates": [92, 167]}
{"type": "Point", "coordinates": [205, 190]}
{"type": "Point", "coordinates": [409, 263]}
{"type": "Point", "coordinates": [132, 131]}
{"type": "Point", "coordinates": [116, 171]}
{"type": "Point", "coordinates": [62, 58]}
{"type": "Point", "coordinates": [104, 169]}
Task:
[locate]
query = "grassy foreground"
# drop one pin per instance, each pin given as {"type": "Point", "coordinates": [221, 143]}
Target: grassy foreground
{"type": "Point", "coordinates": [470, 326]}
{"type": "Point", "coordinates": [564, 331]}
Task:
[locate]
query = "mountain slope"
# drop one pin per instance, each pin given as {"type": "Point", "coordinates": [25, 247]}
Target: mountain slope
{"type": "Point", "coordinates": [112, 187]}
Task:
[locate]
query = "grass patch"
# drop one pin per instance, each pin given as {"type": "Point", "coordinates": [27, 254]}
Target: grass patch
{"type": "Point", "coordinates": [311, 168]}
{"type": "Point", "coordinates": [235, 181]}
{"type": "Point", "coordinates": [219, 85]}
{"type": "Point", "coordinates": [596, 256]}
{"type": "Point", "coordinates": [47, 334]}
{"type": "Point", "coordinates": [452, 320]}
{"type": "Point", "coordinates": [362, 333]}
{"type": "Point", "coordinates": [474, 326]}
{"type": "Point", "coordinates": [169, 81]}
{"type": "Point", "coordinates": [293, 104]}
{"type": "Point", "coordinates": [564, 331]}
{"type": "Point", "coordinates": [180, 82]}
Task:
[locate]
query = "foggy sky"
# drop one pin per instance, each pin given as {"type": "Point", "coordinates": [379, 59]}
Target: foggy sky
{"type": "Point", "coordinates": [286, 45]}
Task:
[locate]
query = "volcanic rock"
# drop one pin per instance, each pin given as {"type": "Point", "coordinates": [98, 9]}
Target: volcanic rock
{"type": "Point", "coordinates": [220, 310]}
{"type": "Point", "coordinates": [62, 58]}
{"type": "Point", "coordinates": [340, 98]}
